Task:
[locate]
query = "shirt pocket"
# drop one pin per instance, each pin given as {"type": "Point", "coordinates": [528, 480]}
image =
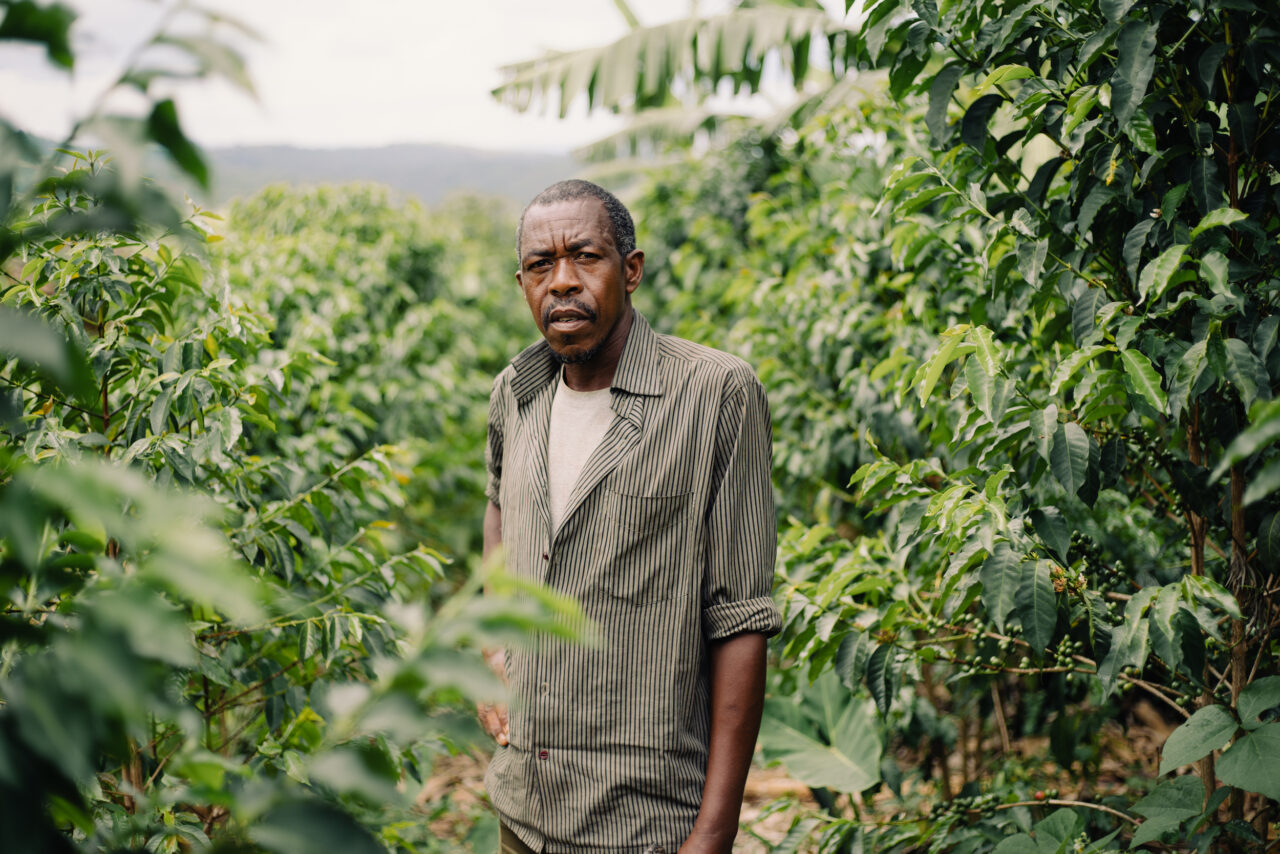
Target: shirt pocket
{"type": "Point", "coordinates": [643, 513]}
{"type": "Point", "coordinates": [646, 546]}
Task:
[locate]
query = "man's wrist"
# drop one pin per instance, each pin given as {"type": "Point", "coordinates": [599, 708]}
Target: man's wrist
{"type": "Point", "coordinates": [711, 837]}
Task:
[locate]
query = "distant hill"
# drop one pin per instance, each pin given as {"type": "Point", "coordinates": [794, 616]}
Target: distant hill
{"type": "Point", "coordinates": [429, 172]}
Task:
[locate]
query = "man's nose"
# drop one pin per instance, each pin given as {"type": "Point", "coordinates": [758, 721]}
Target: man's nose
{"type": "Point", "coordinates": [564, 278]}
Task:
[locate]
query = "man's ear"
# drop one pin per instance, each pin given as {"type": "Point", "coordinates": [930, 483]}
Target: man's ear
{"type": "Point", "coordinates": [633, 269]}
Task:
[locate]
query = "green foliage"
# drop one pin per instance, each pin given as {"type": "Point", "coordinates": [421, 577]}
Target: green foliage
{"type": "Point", "coordinates": [188, 42]}
{"type": "Point", "coordinates": [158, 665]}
{"type": "Point", "coordinates": [366, 305]}
{"type": "Point", "coordinates": [1173, 806]}
{"type": "Point", "coordinates": [228, 620]}
{"type": "Point", "coordinates": [827, 739]}
{"type": "Point", "coordinates": [48, 26]}
{"type": "Point", "coordinates": [1207, 730]}
{"type": "Point", "coordinates": [1022, 298]}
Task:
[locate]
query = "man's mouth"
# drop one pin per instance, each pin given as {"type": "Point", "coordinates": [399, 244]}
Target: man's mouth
{"type": "Point", "coordinates": [567, 319]}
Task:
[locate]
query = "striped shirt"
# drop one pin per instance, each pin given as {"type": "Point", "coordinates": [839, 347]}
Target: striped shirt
{"type": "Point", "coordinates": [668, 542]}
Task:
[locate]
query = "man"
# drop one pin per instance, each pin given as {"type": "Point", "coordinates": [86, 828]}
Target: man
{"type": "Point", "coordinates": [629, 470]}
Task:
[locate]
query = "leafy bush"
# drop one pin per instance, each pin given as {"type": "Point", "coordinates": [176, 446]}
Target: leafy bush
{"type": "Point", "coordinates": [367, 297]}
{"type": "Point", "coordinates": [290, 642]}
{"type": "Point", "coordinates": [1020, 295]}
{"type": "Point", "coordinates": [221, 627]}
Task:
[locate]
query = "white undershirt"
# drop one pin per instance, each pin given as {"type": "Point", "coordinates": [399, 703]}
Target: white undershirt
{"type": "Point", "coordinates": [579, 420]}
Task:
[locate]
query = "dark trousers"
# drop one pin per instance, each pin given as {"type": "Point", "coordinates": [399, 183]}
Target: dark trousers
{"type": "Point", "coordinates": [509, 843]}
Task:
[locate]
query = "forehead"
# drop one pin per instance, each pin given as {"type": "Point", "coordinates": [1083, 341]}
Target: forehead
{"type": "Point", "coordinates": [572, 220]}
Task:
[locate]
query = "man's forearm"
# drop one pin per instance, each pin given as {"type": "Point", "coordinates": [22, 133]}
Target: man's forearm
{"type": "Point", "coordinates": [737, 701]}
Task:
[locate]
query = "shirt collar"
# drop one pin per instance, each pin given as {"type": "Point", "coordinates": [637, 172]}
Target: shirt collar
{"type": "Point", "coordinates": [639, 370]}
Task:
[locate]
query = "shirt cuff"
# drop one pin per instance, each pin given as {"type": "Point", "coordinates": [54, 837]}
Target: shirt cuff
{"type": "Point", "coordinates": [491, 490]}
{"type": "Point", "coordinates": [748, 615]}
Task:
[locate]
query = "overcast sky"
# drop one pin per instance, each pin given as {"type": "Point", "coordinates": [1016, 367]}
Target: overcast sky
{"type": "Point", "coordinates": [342, 72]}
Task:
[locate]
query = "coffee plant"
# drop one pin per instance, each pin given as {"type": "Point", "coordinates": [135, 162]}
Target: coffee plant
{"type": "Point", "coordinates": [1014, 303]}
{"type": "Point", "coordinates": [230, 619]}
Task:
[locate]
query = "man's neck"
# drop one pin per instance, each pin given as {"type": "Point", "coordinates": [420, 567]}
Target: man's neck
{"type": "Point", "coordinates": [598, 373]}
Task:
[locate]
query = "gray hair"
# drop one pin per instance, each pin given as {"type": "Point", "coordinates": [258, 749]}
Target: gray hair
{"type": "Point", "coordinates": [624, 229]}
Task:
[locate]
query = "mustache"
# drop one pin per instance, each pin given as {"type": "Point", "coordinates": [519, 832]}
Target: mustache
{"type": "Point", "coordinates": [575, 304]}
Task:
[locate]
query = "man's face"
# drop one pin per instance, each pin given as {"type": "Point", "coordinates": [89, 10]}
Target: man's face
{"type": "Point", "coordinates": [578, 286]}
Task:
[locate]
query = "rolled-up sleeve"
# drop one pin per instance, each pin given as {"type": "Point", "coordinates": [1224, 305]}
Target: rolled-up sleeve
{"type": "Point", "coordinates": [493, 447]}
{"type": "Point", "coordinates": [742, 536]}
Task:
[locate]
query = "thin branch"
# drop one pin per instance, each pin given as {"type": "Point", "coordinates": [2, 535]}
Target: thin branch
{"type": "Point", "coordinates": [50, 396]}
{"type": "Point", "coordinates": [1062, 802]}
{"type": "Point", "coordinates": [223, 705]}
{"type": "Point", "coordinates": [1005, 745]}
{"type": "Point", "coordinates": [249, 721]}
{"type": "Point", "coordinates": [1155, 691]}
{"type": "Point", "coordinates": [275, 510]}
{"type": "Point", "coordinates": [160, 766]}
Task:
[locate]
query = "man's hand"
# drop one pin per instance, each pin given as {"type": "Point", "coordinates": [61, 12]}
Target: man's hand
{"type": "Point", "coordinates": [493, 716]}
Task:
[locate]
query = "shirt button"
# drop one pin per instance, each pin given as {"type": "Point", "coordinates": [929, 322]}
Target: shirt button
{"type": "Point", "coordinates": [544, 689]}
{"type": "Point", "coordinates": [545, 556]}
{"type": "Point", "coordinates": [542, 754]}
